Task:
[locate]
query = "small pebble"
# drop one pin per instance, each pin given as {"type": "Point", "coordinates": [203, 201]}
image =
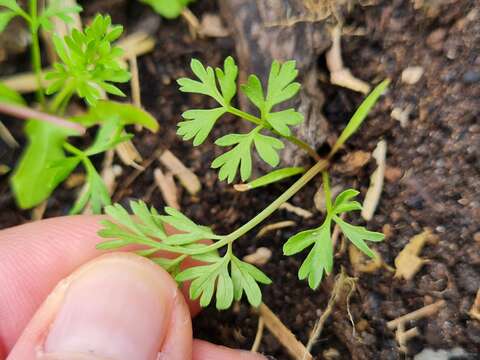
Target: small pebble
{"type": "Point", "coordinates": [412, 74]}
{"type": "Point", "coordinates": [471, 77]}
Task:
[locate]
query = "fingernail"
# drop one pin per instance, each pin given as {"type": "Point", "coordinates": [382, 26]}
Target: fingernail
{"type": "Point", "coordinates": [118, 308]}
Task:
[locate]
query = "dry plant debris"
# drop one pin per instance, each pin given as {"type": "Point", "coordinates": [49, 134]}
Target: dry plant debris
{"type": "Point", "coordinates": [352, 162]}
{"type": "Point", "coordinates": [363, 264]}
{"type": "Point", "coordinates": [39, 211]}
{"type": "Point", "coordinates": [258, 335]}
{"type": "Point", "coordinates": [402, 115]}
{"type": "Point", "coordinates": [296, 210]}
{"type": "Point", "coordinates": [407, 262]}
{"type": "Point", "coordinates": [128, 153]}
{"type": "Point", "coordinates": [475, 309]}
{"type": "Point", "coordinates": [167, 187]}
{"type": "Point", "coordinates": [4, 169]}
{"type": "Point", "coordinates": [259, 257]}
{"type": "Point", "coordinates": [399, 323]}
{"type": "Point", "coordinates": [187, 177]}
{"type": "Point", "coordinates": [343, 288]}
{"type": "Point", "coordinates": [339, 74]}
{"type": "Point", "coordinates": [294, 347]}
{"type": "Point", "coordinates": [192, 22]}
{"type": "Point", "coordinates": [7, 136]}
{"type": "Point", "coordinates": [412, 74]}
{"type": "Point", "coordinates": [275, 226]}
{"type": "Point", "coordinates": [376, 181]}
{"type": "Point", "coordinates": [211, 26]}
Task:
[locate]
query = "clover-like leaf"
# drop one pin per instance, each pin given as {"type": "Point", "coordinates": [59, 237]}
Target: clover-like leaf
{"type": "Point", "coordinates": [227, 78]}
{"type": "Point", "coordinates": [245, 278]}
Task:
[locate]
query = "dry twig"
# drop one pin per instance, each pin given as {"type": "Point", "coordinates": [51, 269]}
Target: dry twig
{"type": "Point", "coordinates": [294, 347]}
{"type": "Point", "coordinates": [167, 187]}
{"type": "Point", "coordinates": [425, 311]}
{"type": "Point", "coordinates": [275, 226]}
{"type": "Point", "coordinates": [258, 335]}
{"type": "Point", "coordinates": [186, 176]}
{"type": "Point", "coordinates": [376, 181]}
{"type": "Point", "coordinates": [296, 210]}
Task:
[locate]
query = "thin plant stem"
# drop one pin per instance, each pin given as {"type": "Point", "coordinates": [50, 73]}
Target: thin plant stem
{"type": "Point", "coordinates": [35, 51]}
{"type": "Point", "coordinates": [22, 112]}
{"type": "Point", "coordinates": [327, 191]}
{"type": "Point", "coordinates": [293, 139]}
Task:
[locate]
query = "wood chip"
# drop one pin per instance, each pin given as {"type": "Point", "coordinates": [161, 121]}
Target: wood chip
{"type": "Point", "coordinates": [294, 347]}
{"type": "Point", "coordinates": [376, 181]}
{"type": "Point", "coordinates": [412, 74]}
{"type": "Point", "coordinates": [340, 75]}
{"type": "Point", "coordinates": [425, 311]}
{"type": "Point", "coordinates": [296, 210]}
{"type": "Point", "coordinates": [211, 26]}
{"type": "Point", "coordinates": [362, 263]}
{"type": "Point", "coordinates": [135, 82]}
{"type": "Point", "coordinates": [128, 153]}
{"type": "Point", "coordinates": [352, 162]}
{"type": "Point", "coordinates": [259, 257]}
{"type": "Point", "coordinates": [136, 44]}
{"type": "Point", "coordinates": [275, 226]}
{"type": "Point", "coordinates": [402, 115]}
{"type": "Point", "coordinates": [74, 180]}
{"type": "Point", "coordinates": [393, 174]}
{"type": "Point", "coordinates": [187, 177]}
{"type": "Point", "coordinates": [7, 136]}
{"type": "Point", "coordinates": [167, 187]}
{"type": "Point", "coordinates": [475, 309]}
{"type": "Point", "coordinates": [407, 262]}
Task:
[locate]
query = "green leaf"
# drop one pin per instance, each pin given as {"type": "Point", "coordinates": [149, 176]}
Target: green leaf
{"type": "Point", "coordinates": [34, 179]}
{"type": "Point", "coordinates": [280, 83]}
{"type": "Point", "coordinates": [357, 235]}
{"type": "Point", "coordinates": [88, 61]}
{"type": "Point", "coordinates": [224, 289]}
{"type": "Point", "coordinates": [169, 9]}
{"type": "Point", "coordinates": [360, 115]}
{"type": "Point", "coordinates": [238, 157]}
{"type": "Point", "coordinates": [227, 78]}
{"type": "Point", "coordinates": [5, 18]}
{"type": "Point", "coordinates": [267, 148]}
{"type": "Point", "coordinates": [192, 231]}
{"type": "Point", "coordinates": [11, 4]}
{"type": "Point", "coordinates": [244, 278]}
{"type": "Point", "coordinates": [343, 204]}
{"type": "Point", "coordinates": [271, 177]}
{"type": "Point", "coordinates": [254, 91]}
{"type": "Point", "coordinates": [281, 120]}
{"type": "Point", "coordinates": [57, 8]}
{"type": "Point", "coordinates": [207, 84]}
{"type": "Point", "coordinates": [95, 191]}
{"type": "Point", "coordinates": [199, 124]}
{"type": "Point", "coordinates": [10, 96]}
{"type": "Point", "coordinates": [121, 114]}
{"type": "Point", "coordinates": [320, 258]}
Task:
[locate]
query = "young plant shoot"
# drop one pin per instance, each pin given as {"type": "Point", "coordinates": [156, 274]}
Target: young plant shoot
{"type": "Point", "coordinates": [89, 65]}
{"type": "Point", "coordinates": [223, 274]}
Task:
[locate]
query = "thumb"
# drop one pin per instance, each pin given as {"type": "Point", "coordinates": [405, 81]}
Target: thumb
{"type": "Point", "coordinates": [118, 306]}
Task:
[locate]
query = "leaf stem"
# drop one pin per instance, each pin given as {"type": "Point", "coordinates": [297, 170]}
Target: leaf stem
{"type": "Point", "coordinates": [35, 51]}
{"type": "Point", "coordinates": [22, 112]}
{"type": "Point", "coordinates": [327, 191]}
{"type": "Point", "coordinates": [293, 139]}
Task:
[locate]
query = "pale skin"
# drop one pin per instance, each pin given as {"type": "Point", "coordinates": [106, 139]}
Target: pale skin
{"type": "Point", "coordinates": [60, 298]}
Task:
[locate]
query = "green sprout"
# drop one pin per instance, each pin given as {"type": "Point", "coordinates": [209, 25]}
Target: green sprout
{"type": "Point", "coordinates": [89, 66]}
{"type": "Point", "coordinates": [169, 9]}
{"type": "Point", "coordinates": [225, 276]}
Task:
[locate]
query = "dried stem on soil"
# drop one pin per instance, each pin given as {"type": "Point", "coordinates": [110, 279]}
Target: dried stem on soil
{"type": "Point", "coordinates": [283, 334]}
{"type": "Point", "coordinates": [258, 335]}
{"type": "Point", "coordinates": [186, 176]}
{"type": "Point", "coordinates": [425, 311]}
{"type": "Point", "coordinates": [275, 226]}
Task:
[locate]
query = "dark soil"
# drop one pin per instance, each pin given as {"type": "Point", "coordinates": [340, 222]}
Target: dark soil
{"type": "Point", "coordinates": [437, 154]}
